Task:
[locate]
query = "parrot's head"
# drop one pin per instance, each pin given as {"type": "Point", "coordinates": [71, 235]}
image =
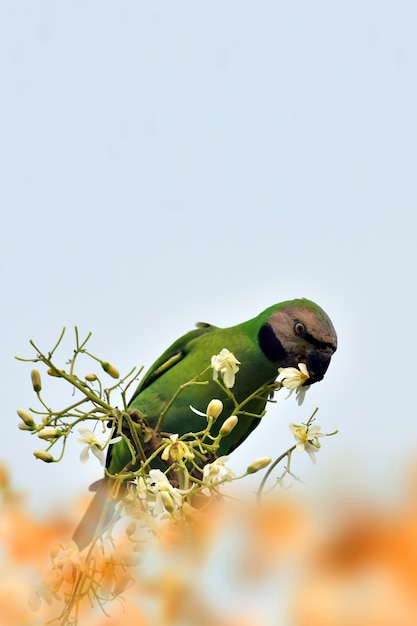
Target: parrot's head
{"type": "Point", "coordinates": [299, 331]}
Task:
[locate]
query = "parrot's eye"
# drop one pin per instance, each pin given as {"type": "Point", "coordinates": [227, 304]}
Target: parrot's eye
{"type": "Point", "coordinates": [300, 329]}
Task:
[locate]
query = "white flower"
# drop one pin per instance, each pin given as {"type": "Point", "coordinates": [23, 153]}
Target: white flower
{"type": "Point", "coordinates": [177, 450]}
{"type": "Point", "coordinates": [295, 379]}
{"type": "Point", "coordinates": [307, 438]}
{"type": "Point", "coordinates": [94, 444]}
{"type": "Point", "coordinates": [66, 566]}
{"type": "Point", "coordinates": [216, 472]}
{"type": "Point", "coordinates": [227, 364]}
{"type": "Point", "coordinates": [291, 377]}
{"type": "Point", "coordinates": [158, 484]}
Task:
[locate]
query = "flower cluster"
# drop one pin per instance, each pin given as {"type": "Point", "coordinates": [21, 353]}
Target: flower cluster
{"type": "Point", "coordinates": [67, 563]}
{"type": "Point", "coordinates": [163, 474]}
{"type": "Point", "coordinates": [159, 494]}
{"type": "Point", "coordinates": [75, 578]}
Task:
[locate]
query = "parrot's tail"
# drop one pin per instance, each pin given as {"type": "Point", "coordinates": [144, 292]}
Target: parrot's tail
{"type": "Point", "coordinates": [100, 513]}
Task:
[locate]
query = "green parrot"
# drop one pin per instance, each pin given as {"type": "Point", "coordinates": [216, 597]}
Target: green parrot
{"type": "Point", "coordinates": [284, 335]}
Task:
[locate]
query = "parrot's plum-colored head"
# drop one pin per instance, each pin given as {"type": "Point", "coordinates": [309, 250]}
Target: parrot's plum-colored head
{"type": "Point", "coordinates": [299, 331]}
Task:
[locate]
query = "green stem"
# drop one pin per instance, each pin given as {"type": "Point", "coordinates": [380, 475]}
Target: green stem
{"type": "Point", "coordinates": [57, 343]}
{"type": "Point", "coordinates": [68, 409]}
{"type": "Point", "coordinates": [125, 404]}
{"type": "Point", "coordinates": [72, 380]}
{"type": "Point", "coordinates": [270, 470]}
{"type": "Point", "coordinates": [135, 437]}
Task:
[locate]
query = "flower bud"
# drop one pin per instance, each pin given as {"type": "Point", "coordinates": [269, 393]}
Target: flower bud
{"type": "Point", "coordinates": [43, 456]}
{"type": "Point", "coordinates": [168, 501]}
{"type": "Point", "coordinates": [90, 377]}
{"type": "Point", "coordinates": [26, 417]}
{"type": "Point", "coordinates": [52, 372]}
{"type": "Point", "coordinates": [36, 381]}
{"type": "Point", "coordinates": [214, 408]}
{"type": "Point", "coordinates": [228, 426]}
{"type": "Point", "coordinates": [110, 369]}
{"type": "Point", "coordinates": [23, 426]}
{"type": "Point", "coordinates": [48, 433]}
{"type": "Point", "coordinates": [258, 464]}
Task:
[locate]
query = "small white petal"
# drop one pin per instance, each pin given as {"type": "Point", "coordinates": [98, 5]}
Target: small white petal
{"type": "Point", "coordinates": [84, 456]}
{"type": "Point", "coordinates": [300, 394]}
{"type": "Point", "coordinates": [229, 378]}
{"type": "Point", "coordinates": [303, 368]}
{"type": "Point", "coordinates": [98, 453]}
{"type": "Point", "coordinates": [196, 410]}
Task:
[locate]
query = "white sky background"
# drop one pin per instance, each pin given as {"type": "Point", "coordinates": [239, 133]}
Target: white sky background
{"type": "Point", "coordinates": [172, 162]}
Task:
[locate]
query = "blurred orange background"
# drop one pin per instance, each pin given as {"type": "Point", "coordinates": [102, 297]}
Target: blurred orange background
{"type": "Point", "coordinates": [299, 559]}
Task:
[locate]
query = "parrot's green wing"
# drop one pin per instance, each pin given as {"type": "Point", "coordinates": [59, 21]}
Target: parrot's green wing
{"type": "Point", "coordinates": [173, 355]}
{"type": "Point", "coordinates": [119, 454]}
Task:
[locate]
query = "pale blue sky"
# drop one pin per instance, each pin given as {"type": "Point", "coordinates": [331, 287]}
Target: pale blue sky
{"type": "Point", "coordinates": [172, 162]}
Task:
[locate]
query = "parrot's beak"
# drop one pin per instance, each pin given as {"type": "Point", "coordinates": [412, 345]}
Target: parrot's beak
{"type": "Point", "coordinates": [317, 363]}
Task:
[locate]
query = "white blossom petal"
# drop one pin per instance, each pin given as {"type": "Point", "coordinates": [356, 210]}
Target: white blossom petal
{"type": "Point", "coordinates": [98, 453]}
{"type": "Point", "coordinates": [197, 412]}
{"type": "Point", "coordinates": [307, 438]}
{"type": "Point", "coordinates": [291, 377]}
{"type": "Point", "coordinates": [216, 472]}
{"type": "Point", "coordinates": [84, 456]}
{"type": "Point", "coordinates": [93, 443]}
{"type": "Point", "coordinates": [300, 394]}
{"type": "Point", "coordinates": [157, 482]}
{"type": "Point", "coordinates": [226, 364]}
